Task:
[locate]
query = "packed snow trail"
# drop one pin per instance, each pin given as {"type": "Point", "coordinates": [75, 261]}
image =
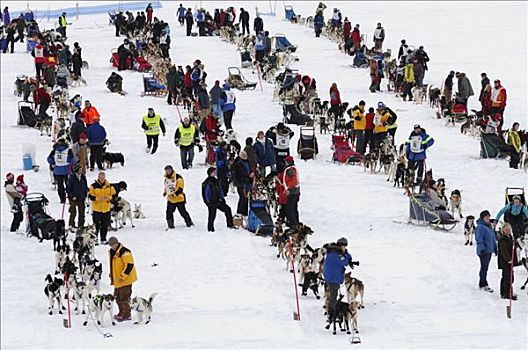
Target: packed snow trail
{"type": "Point", "coordinates": [235, 294]}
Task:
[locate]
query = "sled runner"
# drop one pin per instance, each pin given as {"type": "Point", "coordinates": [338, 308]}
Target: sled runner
{"type": "Point", "coordinates": [307, 146]}
{"type": "Point", "coordinates": [423, 210]}
{"type": "Point", "coordinates": [237, 80]}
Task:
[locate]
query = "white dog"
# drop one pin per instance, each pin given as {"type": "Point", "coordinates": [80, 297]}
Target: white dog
{"type": "Point", "coordinates": [138, 214]}
{"type": "Point", "coordinates": [142, 307]}
{"type": "Point", "coordinates": [124, 212]}
{"type": "Point", "coordinates": [100, 305]}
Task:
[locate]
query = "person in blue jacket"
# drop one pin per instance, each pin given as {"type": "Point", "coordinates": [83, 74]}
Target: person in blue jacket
{"type": "Point", "coordinates": [265, 153]}
{"type": "Point", "coordinates": [515, 213]}
{"type": "Point", "coordinates": [213, 197]}
{"type": "Point", "coordinates": [60, 160]}
{"type": "Point", "coordinates": [96, 140]}
{"type": "Point", "coordinates": [417, 144]}
{"type": "Point", "coordinates": [200, 20]}
{"type": "Point", "coordinates": [197, 76]}
{"type": "Point", "coordinates": [222, 166]}
{"type": "Point", "coordinates": [260, 47]}
{"type": "Point", "coordinates": [181, 14]}
{"type": "Point", "coordinates": [486, 245]}
{"type": "Point", "coordinates": [318, 24]}
{"type": "Point", "coordinates": [336, 260]}
{"type": "Point", "coordinates": [77, 190]}
{"type": "Point", "coordinates": [228, 103]}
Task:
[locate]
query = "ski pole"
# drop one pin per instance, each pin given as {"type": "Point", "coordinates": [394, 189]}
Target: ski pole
{"type": "Point", "coordinates": [508, 308]}
{"type": "Point", "coordinates": [297, 316]}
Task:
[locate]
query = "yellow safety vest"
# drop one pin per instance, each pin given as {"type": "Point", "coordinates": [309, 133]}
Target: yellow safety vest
{"type": "Point", "coordinates": [186, 135]}
{"type": "Point", "coordinates": [62, 21]}
{"type": "Point", "coordinates": [153, 125]}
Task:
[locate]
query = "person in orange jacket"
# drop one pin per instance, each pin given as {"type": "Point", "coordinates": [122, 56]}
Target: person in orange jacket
{"type": "Point", "coordinates": [290, 182]}
{"type": "Point", "coordinates": [498, 102]}
{"type": "Point", "coordinates": [89, 113]}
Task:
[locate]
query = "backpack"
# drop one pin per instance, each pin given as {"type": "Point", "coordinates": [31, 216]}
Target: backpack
{"type": "Point", "coordinates": [393, 117]}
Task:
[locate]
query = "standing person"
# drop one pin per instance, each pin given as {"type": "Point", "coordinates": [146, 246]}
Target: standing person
{"type": "Point", "coordinates": [514, 140]}
{"type": "Point", "coordinates": [498, 101]}
{"type": "Point", "coordinates": [242, 179]}
{"type": "Point", "coordinates": [260, 47]}
{"type": "Point", "coordinates": [356, 38]}
{"type": "Point", "coordinates": [80, 152]}
{"type": "Point", "coordinates": [506, 261]}
{"type": "Point", "coordinates": [10, 38]}
{"type": "Point", "coordinates": [408, 81]}
{"type": "Point", "coordinates": [515, 213]}
{"type": "Point", "coordinates": [380, 124]}
{"type": "Point", "coordinates": [485, 94]}
{"type": "Point", "coordinates": [215, 94]}
{"type": "Point", "coordinates": [77, 126]}
{"type": "Point", "coordinates": [39, 53]}
{"type": "Point", "coordinates": [335, 101]}
{"type": "Point", "coordinates": [336, 260]}
{"type": "Point", "coordinates": [189, 21]}
{"type": "Point", "coordinates": [318, 24]}
{"type": "Point", "coordinates": [21, 186]}
{"type": "Point", "coordinates": [403, 50]}
{"type": "Point", "coordinates": [244, 20]}
{"type": "Point", "coordinates": [250, 152]}
{"type": "Point", "coordinates": [101, 193]}
{"type": "Point", "coordinates": [465, 91]}
{"type": "Point", "coordinates": [228, 103]}
{"type": "Point", "coordinates": [369, 130]}
{"type": "Point", "coordinates": [149, 10]}
{"type": "Point", "coordinates": [417, 144]}
{"type": "Point", "coordinates": [258, 24]}
{"type": "Point", "coordinates": [222, 166]}
{"type": "Point", "coordinates": [77, 60]}
{"type": "Point", "coordinates": [152, 123]}
{"type": "Point", "coordinates": [360, 124]}
{"type": "Point", "coordinates": [198, 76]}
{"type": "Point", "coordinates": [60, 160]}
{"type": "Point", "coordinates": [119, 21]}
{"type": "Point", "coordinates": [176, 199]}
{"type": "Point", "coordinates": [448, 86]}
{"type": "Point", "coordinates": [20, 27]}
{"type": "Point", "coordinates": [185, 137]}
{"type": "Point", "coordinates": [123, 54]}
{"type": "Point", "coordinates": [6, 16]}
{"type": "Point", "coordinates": [90, 113]}
{"type": "Point", "coordinates": [267, 44]}
{"type": "Point", "coordinates": [77, 190]}
{"type": "Point", "coordinates": [14, 199]}
{"type": "Point", "coordinates": [96, 139]}
{"type": "Point", "coordinates": [486, 245]}
{"type": "Point", "coordinates": [122, 275]}
{"type": "Point", "coordinates": [172, 85]}
{"type": "Point", "coordinates": [265, 153]}
{"type": "Point", "coordinates": [379, 36]}
{"type": "Point", "coordinates": [213, 197]}
{"type": "Point", "coordinates": [63, 23]}
{"type": "Point", "coordinates": [181, 14]}
{"type": "Point", "coordinates": [347, 28]}
{"type": "Point", "coordinates": [290, 182]}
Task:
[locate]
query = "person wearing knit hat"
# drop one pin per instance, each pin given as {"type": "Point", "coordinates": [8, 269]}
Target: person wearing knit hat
{"type": "Point", "coordinates": [14, 199]}
{"type": "Point", "coordinates": [216, 93]}
{"type": "Point", "coordinates": [290, 181]}
{"type": "Point", "coordinates": [122, 276]}
{"type": "Point", "coordinates": [486, 246]}
{"type": "Point", "coordinates": [60, 160]}
{"type": "Point", "coordinates": [213, 197]}
{"type": "Point", "coordinates": [516, 214]}
{"type": "Point", "coordinates": [242, 179]}
{"type": "Point", "coordinates": [77, 191]}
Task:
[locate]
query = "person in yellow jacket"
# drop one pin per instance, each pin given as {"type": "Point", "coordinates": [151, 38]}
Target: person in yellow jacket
{"type": "Point", "coordinates": [100, 193]}
{"type": "Point", "coordinates": [360, 123]}
{"type": "Point", "coordinates": [408, 81]}
{"type": "Point", "coordinates": [152, 125]}
{"type": "Point", "coordinates": [173, 190]}
{"type": "Point", "coordinates": [63, 23]}
{"type": "Point", "coordinates": [380, 124]}
{"type": "Point", "coordinates": [122, 275]}
{"type": "Point", "coordinates": [514, 140]}
{"type": "Point", "coordinates": [185, 137]}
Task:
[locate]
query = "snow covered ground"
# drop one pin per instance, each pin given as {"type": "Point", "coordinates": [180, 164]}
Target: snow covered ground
{"type": "Point", "coordinates": [227, 289]}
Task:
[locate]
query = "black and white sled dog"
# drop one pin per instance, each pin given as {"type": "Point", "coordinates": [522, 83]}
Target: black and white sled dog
{"type": "Point", "coordinates": [80, 294]}
{"type": "Point", "coordinates": [121, 211]}
{"type": "Point", "coordinates": [92, 274]}
{"type": "Point", "coordinates": [110, 158]}
{"type": "Point", "coordinates": [419, 93]}
{"type": "Point", "coordinates": [59, 235]}
{"type": "Point", "coordinates": [524, 255]}
{"type": "Point", "coordinates": [143, 307]}
{"type": "Point", "coordinates": [434, 97]}
{"type": "Point", "coordinates": [455, 203]}
{"type": "Point", "coordinates": [469, 229]}
{"type": "Point", "coordinates": [52, 291]}
{"type": "Point", "coordinates": [60, 258]}
{"type": "Point", "coordinates": [100, 305]}
{"type": "Point", "coordinates": [138, 214]}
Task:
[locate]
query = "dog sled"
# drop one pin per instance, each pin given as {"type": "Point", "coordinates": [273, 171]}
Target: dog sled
{"type": "Point", "coordinates": [237, 80]}
{"type": "Point", "coordinates": [280, 43]}
{"type": "Point", "coordinates": [492, 146]}
{"type": "Point", "coordinates": [245, 58]}
{"type": "Point", "coordinates": [519, 223]}
{"type": "Point", "coordinates": [292, 115]}
{"type": "Point", "coordinates": [423, 211]}
{"type": "Point", "coordinates": [26, 114]}
{"type": "Point", "coordinates": [343, 152]}
{"type": "Point", "coordinates": [38, 222]}
{"type": "Point", "coordinates": [151, 87]}
{"type": "Point", "coordinates": [259, 219]}
{"type": "Point", "coordinates": [307, 147]}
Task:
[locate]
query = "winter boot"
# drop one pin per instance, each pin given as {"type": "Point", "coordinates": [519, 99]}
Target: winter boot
{"type": "Point", "coordinates": [170, 224]}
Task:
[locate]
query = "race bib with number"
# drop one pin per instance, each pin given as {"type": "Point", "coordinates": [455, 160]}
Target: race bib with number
{"type": "Point", "coordinates": [61, 158]}
{"type": "Point", "coordinates": [416, 144]}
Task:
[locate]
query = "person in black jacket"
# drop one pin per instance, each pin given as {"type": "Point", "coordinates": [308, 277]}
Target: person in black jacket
{"type": "Point", "coordinates": [122, 54]}
{"type": "Point", "coordinates": [114, 83]}
{"type": "Point", "coordinates": [172, 85]}
{"type": "Point", "coordinates": [189, 21]}
{"type": "Point", "coordinates": [10, 38]}
{"type": "Point", "coordinates": [77, 128]}
{"type": "Point", "coordinates": [258, 25]}
{"type": "Point", "coordinates": [213, 197]}
{"type": "Point", "coordinates": [77, 191]}
{"type": "Point", "coordinates": [448, 86]}
{"type": "Point", "coordinates": [505, 259]}
{"type": "Point", "coordinates": [118, 22]}
{"type": "Point", "coordinates": [244, 20]}
{"type": "Point", "coordinates": [242, 179]}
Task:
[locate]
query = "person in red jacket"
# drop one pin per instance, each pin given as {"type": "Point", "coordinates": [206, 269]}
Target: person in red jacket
{"type": "Point", "coordinates": [369, 129]}
{"type": "Point", "coordinates": [149, 10]}
{"type": "Point", "coordinates": [347, 28]}
{"type": "Point", "coordinates": [498, 102]}
{"type": "Point", "coordinates": [211, 136]}
{"type": "Point", "coordinates": [282, 198]}
{"type": "Point", "coordinates": [335, 101]}
{"type": "Point", "coordinates": [290, 182]}
{"type": "Point", "coordinates": [356, 38]}
{"type": "Point", "coordinates": [43, 101]}
{"type": "Point", "coordinates": [40, 53]}
{"type": "Point", "coordinates": [187, 82]}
